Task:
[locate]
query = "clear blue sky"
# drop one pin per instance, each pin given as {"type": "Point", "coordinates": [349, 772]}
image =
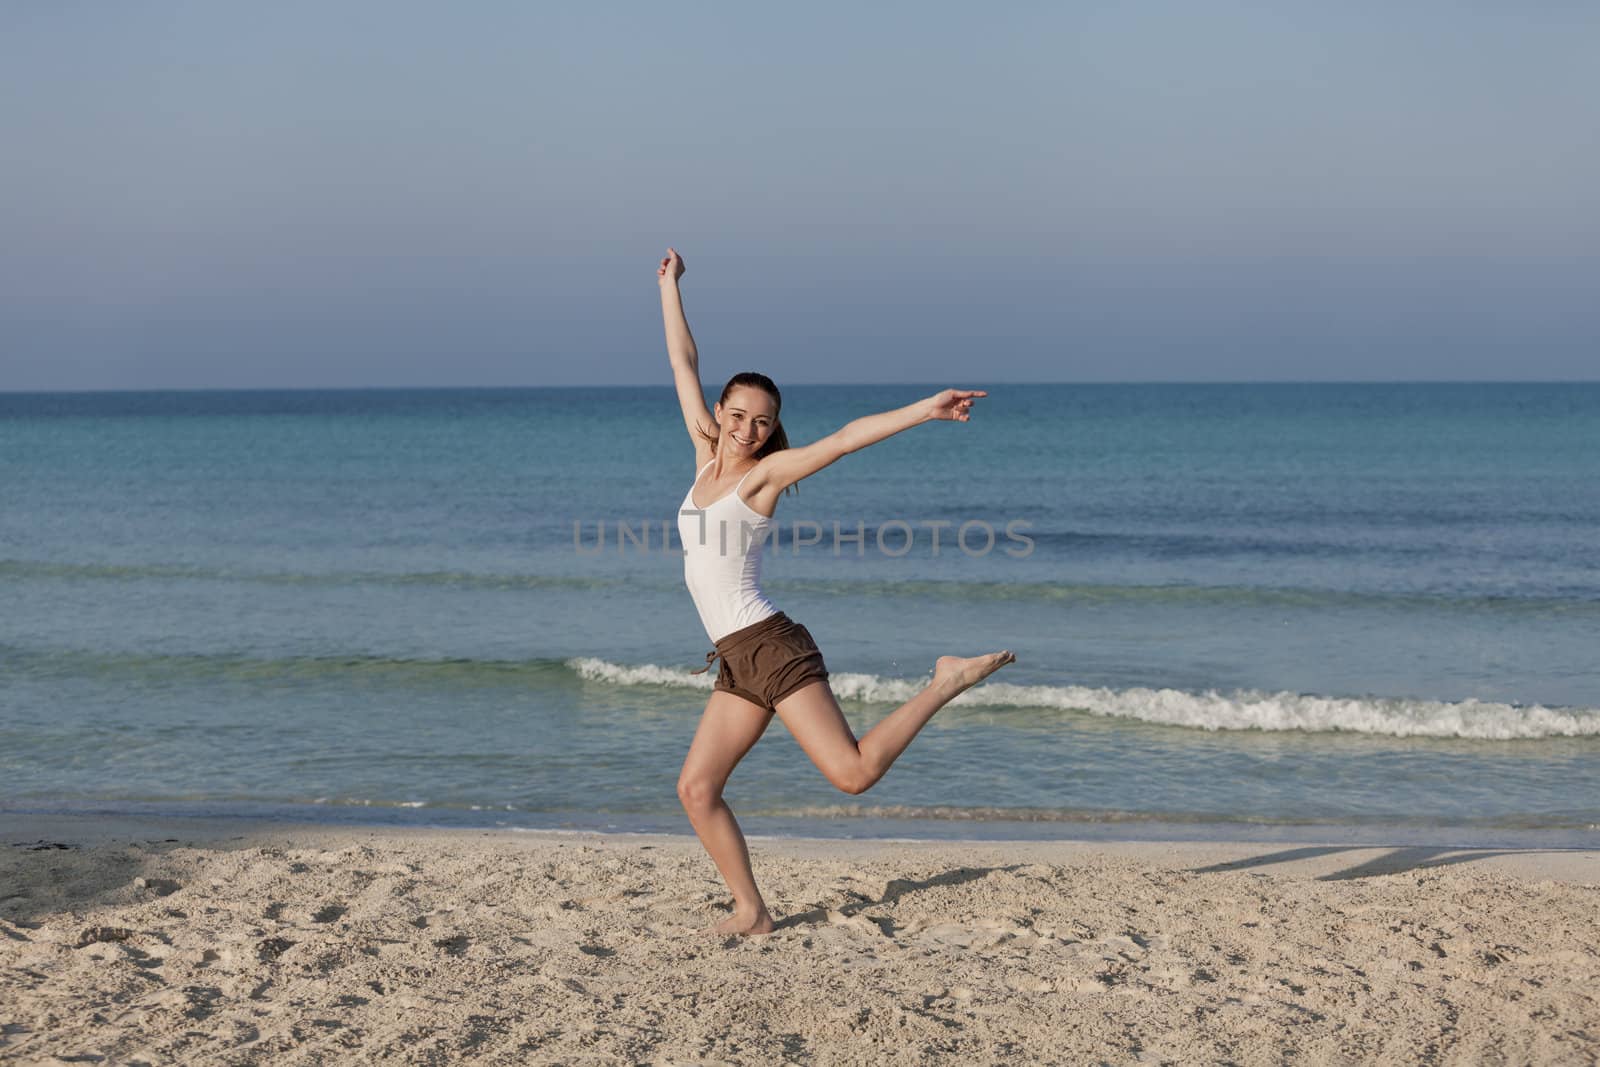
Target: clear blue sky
{"type": "Point", "coordinates": [360, 193]}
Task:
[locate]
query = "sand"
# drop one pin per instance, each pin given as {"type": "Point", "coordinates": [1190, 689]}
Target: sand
{"type": "Point", "coordinates": [151, 941]}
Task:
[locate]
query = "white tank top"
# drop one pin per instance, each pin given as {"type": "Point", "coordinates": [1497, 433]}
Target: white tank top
{"type": "Point", "coordinates": [722, 560]}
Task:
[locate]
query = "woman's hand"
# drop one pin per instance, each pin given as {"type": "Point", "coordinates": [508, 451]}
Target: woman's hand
{"type": "Point", "coordinates": [671, 268]}
{"type": "Point", "coordinates": [953, 404]}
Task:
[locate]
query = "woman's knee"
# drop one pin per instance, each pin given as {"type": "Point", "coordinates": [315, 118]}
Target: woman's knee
{"type": "Point", "coordinates": [698, 794]}
{"type": "Point", "coordinates": [853, 780]}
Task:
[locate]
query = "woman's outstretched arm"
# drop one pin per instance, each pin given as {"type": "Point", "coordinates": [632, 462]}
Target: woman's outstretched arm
{"type": "Point", "coordinates": [684, 356]}
{"type": "Point", "coordinates": [783, 469]}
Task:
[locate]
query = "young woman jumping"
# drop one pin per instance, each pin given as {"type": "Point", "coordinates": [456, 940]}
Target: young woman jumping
{"type": "Point", "coordinates": [743, 463]}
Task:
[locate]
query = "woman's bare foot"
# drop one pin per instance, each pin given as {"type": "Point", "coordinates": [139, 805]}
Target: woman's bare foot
{"type": "Point", "coordinates": [744, 925]}
{"type": "Point", "coordinates": [962, 674]}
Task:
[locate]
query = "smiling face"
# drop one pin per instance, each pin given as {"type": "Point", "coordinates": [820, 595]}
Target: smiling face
{"type": "Point", "coordinates": [746, 420]}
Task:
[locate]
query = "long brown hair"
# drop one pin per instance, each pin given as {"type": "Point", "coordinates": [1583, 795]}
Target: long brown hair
{"type": "Point", "coordinates": [777, 439]}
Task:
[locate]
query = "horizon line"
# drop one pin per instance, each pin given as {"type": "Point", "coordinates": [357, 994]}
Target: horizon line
{"type": "Point", "coordinates": [668, 385]}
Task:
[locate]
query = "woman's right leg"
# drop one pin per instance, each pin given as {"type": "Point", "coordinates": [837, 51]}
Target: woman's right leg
{"type": "Point", "coordinates": [729, 728]}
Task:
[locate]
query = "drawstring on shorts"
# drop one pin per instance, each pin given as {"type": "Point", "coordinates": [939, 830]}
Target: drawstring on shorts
{"type": "Point", "coordinates": [739, 637]}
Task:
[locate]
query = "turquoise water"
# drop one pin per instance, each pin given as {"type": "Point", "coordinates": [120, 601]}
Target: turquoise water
{"type": "Point", "coordinates": [1264, 606]}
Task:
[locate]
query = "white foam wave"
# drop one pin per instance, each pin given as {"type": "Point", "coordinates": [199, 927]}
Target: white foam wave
{"type": "Point", "coordinates": [1256, 710]}
{"type": "Point", "coordinates": [598, 670]}
{"type": "Point", "coordinates": [1210, 710]}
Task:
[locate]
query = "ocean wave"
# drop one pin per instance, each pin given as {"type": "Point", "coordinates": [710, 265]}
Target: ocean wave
{"type": "Point", "coordinates": [1575, 820]}
{"type": "Point", "coordinates": [1210, 710]}
{"type": "Point", "coordinates": [1276, 597]}
{"type": "Point", "coordinates": [599, 670]}
{"type": "Point", "coordinates": [168, 667]}
{"type": "Point", "coordinates": [1578, 602]}
{"type": "Point", "coordinates": [990, 813]}
{"type": "Point", "coordinates": [21, 568]}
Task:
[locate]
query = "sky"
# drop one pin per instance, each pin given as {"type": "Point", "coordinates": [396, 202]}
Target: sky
{"type": "Point", "coordinates": [361, 194]}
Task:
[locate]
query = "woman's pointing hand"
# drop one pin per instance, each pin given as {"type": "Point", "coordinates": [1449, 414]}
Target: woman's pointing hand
{"type": "Point", "coordinates": [953, 404]}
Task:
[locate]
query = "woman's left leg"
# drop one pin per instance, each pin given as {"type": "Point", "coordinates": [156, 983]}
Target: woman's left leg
{"type": "Point", "coordinates": [812, 715]}
{"type": "Point", "coordinates": [729, 728]}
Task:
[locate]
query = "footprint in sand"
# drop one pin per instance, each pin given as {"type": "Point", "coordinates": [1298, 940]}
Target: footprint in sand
{"type": "Point", "coordinates": [96, 934]}
{"type": "Point", "coordinates": [1094, 983]}
{"type": "Point", "coordinates": [1029, 983]}
{"type": "Point", "coordinates": [202, 958]}
{"type": "Point", "coordinates": [959, 994]}
{"type": "Point", "coordinates": [985, 934]}
{"type": "Point", "coordinates": [422, 922]}
{"type": "Point", "coordinates": [454, 946]}
{"type": "Point", "coordinates": [271, 948]}
{"type": "Point", "coordinates": [201, 1001]}
{"type": "Point", "coordinates": [865, 924]}
{"type": "Point", "coordinates": [1127, 947]}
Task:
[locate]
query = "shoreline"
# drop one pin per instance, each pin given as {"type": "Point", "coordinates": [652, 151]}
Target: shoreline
{"type": "Point", "coordinates": [1309, 856]}
{"type": "Point", "coordinates": [1112, 829]}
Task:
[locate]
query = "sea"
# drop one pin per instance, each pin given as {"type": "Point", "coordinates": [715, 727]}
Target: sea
{"type": "Point", "coordinates": [1341, 612]}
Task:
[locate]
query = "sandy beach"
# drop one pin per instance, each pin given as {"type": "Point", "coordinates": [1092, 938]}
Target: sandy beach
{"type": "Point", "coordinates": [135, 940]}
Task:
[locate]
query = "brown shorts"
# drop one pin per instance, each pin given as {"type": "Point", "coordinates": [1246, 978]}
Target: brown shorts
{"type": "Point", "coordinates": [768, 661]}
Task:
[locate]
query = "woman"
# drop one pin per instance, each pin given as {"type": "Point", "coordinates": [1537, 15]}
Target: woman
{"type": "Point", "coordinates": [769, 663]}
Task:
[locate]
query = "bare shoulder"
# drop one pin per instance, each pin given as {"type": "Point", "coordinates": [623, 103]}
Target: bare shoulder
{"type": "Point", "coordinates": [791, 466]}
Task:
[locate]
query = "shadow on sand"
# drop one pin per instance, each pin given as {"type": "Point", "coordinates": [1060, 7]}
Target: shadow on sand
{"type": "Point", "coordinates": [1398, 860]}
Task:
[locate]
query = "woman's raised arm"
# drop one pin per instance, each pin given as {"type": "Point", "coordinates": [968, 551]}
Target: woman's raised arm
{"type": "Point", "coordinates": [685, 358]}
{"type": "Point", "coordinates": [783, 469]}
